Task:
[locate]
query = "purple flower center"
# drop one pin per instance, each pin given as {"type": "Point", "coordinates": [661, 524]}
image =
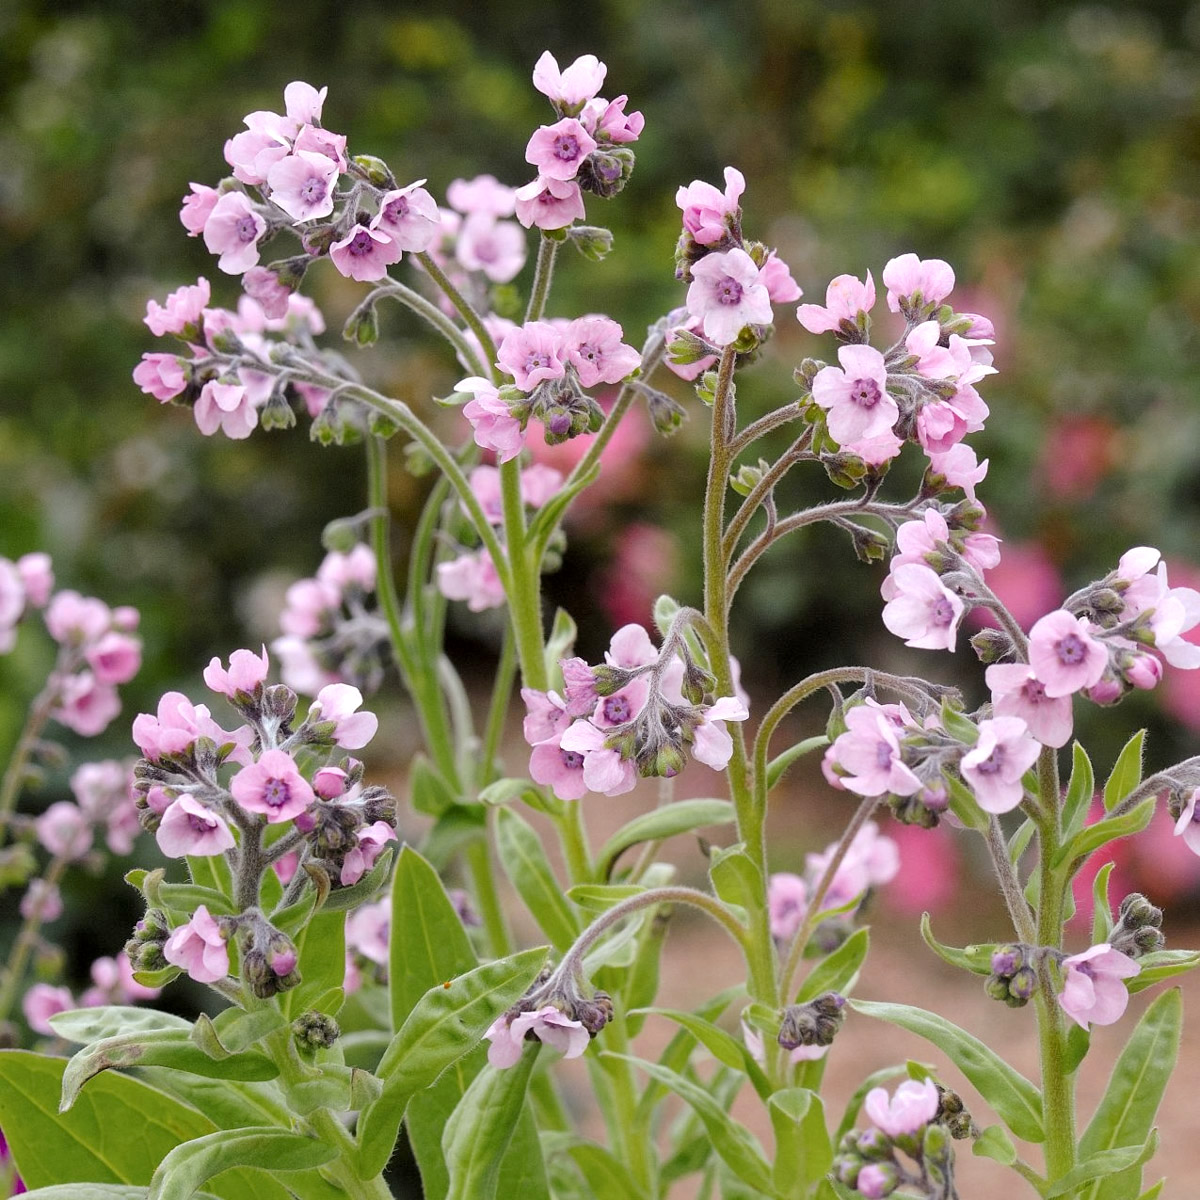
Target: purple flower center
{"type": "Point", "coordinates": [1070, 650]}
{"type": "Point", "coordinates": [312, 189]}
{"type": "Point", "coordinates": [729, 291]}
{"type": "Point", "coordinates": [566, 147]}
{"type": "Point", "coordinates": [883, 754]}
{"type": "Point", "coordinates": [276, 792]}
{"type": "Point", "coordinates": [942, 612]}
{"type": "Point", "coordinates": [571, 759]}
{"type": "Point", "coordinates": [201, 824]}
{"type": "Point", "coordinates": [787, 907]}
{"type": "Point", "coordinates": [591, 353]}
{"type": "Point", "coordinates": [485, 250]}
{"type": "Point", "coordinates": [1033, 692]}
{"type": "Point", "coordinates": [865, 393]}
{"type": "Point", "coordinates": [362, 244]}
{"type": "Point", "coordinates": [245, 230]}
{"type": "Point", "coordinates": [535, 361]}
{"type": "Point", "coordinates": [397, 210]}
{"type": "Point", "coordinates": [617, 709]}
{"type": "Point", "coordinates": [992, 764]}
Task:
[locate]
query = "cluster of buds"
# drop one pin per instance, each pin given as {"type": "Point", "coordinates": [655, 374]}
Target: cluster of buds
{"type": "Point", "coordinates": [1014, 977]}
{"type": "Point", "coordinates": [813, 1024]}
{"type": "Point", "coordinates": [554, 1011]}
{"type": "Point", "coordinates": [1138, 929]}
{"type": "Point", "coordinates": [639, 713]}
{"type": "Point", "coordinates": [331, 633]}
{"type": "Point", "coordinates": [315, 1031]}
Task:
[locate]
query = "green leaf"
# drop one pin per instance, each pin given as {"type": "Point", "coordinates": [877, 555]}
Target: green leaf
{"type": "Point", "coordinates": [1162, 964]}
{"type": "Point", "coordinates": [1017, 1102]}
{"type": "Point", "coordinates": [1079, 1042]}
{"type": "Point", "coordinates": [212, 873]}
{"type": "Point", "coordinates": [976, 959]}
{"type": "Point", "coordinates": [228, 1104]}
{"type": "Point", "coordinates": [681, 817]}
{"type": "Point", "coordinates": [428, 944]}
{"type": "Point", "coordinates": [239, 1030]}
{"type": "Point", "coordinates": [607, 1177]}
{"type": "Point", "coordinates": [1125, 1114]}
{"type": "Point", "coordinates": [1019, 842]}
{"type": "Point", "coordinates": [524, 861]}
{"type": "Point", "coordinates": [504, 791]}
{"type": "Point", "coordinates": [455, 830]}
{"type": "Point", "coordinates": [735, 877]}
{"type": "Point", "coordinates": [481, 1128]}
{"type": "Point", "coordinates": [722, 1046]}
{"type": "Point", "coordinates": [1126, 773]}
{"type": "Point", "coordinates": [269, 1148]}
{"type": "Point", "coordinates": [1108, 829]}
{"type": "Point", "coordinates": [854, 1107]}
{"type": "Point", "coordinates": [964, 805]}
{"type": "Point", "coordinates": [96, 1191]}
{"type": "Point", "coordinates": [560, 643]}
{"type": "Point", "coordinates": [84, 1025]}
{"type": "Point", "coordinates": [428, 792]}
{"type": "Point", "coordinates": [803, 1151]}
{"type": "Point", "coordinates": [1081, 790]}
{"type": "Point", "coordinates": [1102, 921]}
{"type": "Point", "coordinates": [994, 1142]}
{"type": "Point", "coordinates": [1152, 1193]}
{"type": "Point", "coordinates": [957, 725]}
{"type": "Point", "coordinates": [731, 1140]}
{"type": "Point", "coordinates": [1106, 1163]}
{"type": "Point", "coordinates": [343, 899]}
{"type": "Point", "coordinates": [445, 1024]}
{"type": "Point", "coordinates": [778, 766]}
{"type": "Point", "coordinates": [839, 971]}
{"type": "Point", "coordinates": [322, 966]}
{"type": "Point", "coordinates": [600, 897]}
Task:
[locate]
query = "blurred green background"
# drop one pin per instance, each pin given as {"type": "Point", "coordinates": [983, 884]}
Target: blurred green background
{"type": "Point", "coordinates": [1048, 150]}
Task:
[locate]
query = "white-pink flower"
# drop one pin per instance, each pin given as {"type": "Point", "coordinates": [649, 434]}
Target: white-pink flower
{"type": "Point", "coordinates": [727, 294]}
{"type": "Point", "coordinates": [199, 948]}
{"type": "Point", "coordinates": [960, 467]}
{"type": "Point", "coordinates": [233, 230]}
{"type": "Point", "coordinates": [273, 786]}
{"type": "Point", "coordinates": [227, 407]}
{"type": "Point", "coordinates": [845, 298]}
{"type": "Point", "coordinates": [1188, 824]}
{"type": "Point", "coordinates": [364, 254]}
{"type": "Point", "coordinates": [869, 754]}
{"type": "Point", "coordinates": [787, 903]}
{"type": "Point", "coordinates": [531, 354]}
{"type": "Point", "coordinates": [922, 610]}
{"type": "Point", "coordinates": [713, 744]}
{"type": "Point", "coordinates": [1094, 991]}
{"type": "Point", "coordinates": [994, 766]}
{"type": "Point", "coordinates": [189, 827]}
{"type": "Point", "coordinates": [493, 425]}
{"type": "Point", "coordinates": [247, 671]}
{"type": "Point", "coordinates": [911, 281]}
{"type": "Point", "coordinates": [339, 703]}
{"type": "Point", "coordinates": [37, 578]}
{"type": "Point", "coordinates": [707, 212]}
{"type": "Point", "coordinates": [558, 150]}
{"type": "Point", "coordinates": [593, 346]}
{"type": "Point", "coordinates": [361, 859]}
{"type": "Point", "coordinates": [303, 102]}
{"type": "Point", "coordinates": [43, 1001]}
{"type": "Point", "coordinates": [410, 217]}
{"type": "Point", "coordinates": [114, 657]}
{"type": "Point", "coordinates": [1017, 692]}
{"type": "Point", "coordinates": [302, 185]}
{"type": "Point", "coordinates": [471, 577]}
{"type": "Point", "coordinates": [160, 375]}
{"type": "Point", "coordinates": [604, 770]}
{"type": "Point", "coordinates": [855, 395]}
{"type": "Point", "coordinates": [548, 1025]}
{"type": "Point", "coordinates": [64, 830]}
{"type": "Point", "coordinates": [549, 203]}
{"type": "Point", "coordinates": [913, 1104]}
{"type": "Point", "coordinates": [182, 311]}
{"type": "Point", "coordinates": [484, 195]}
{"type": "Point", "coordinates": [497, 248]}
{"type": "Point", "coordinates": [1064, 655]}
{"type": "Point", "coordinates": [569, 89]}
{"type": "Point", "coordinates": [197, 207]}
{"type": "Point", "coordinates": [1172, 611]}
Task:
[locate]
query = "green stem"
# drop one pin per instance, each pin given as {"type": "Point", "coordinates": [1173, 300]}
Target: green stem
{"type": "Point", "coordinates": [465, 310]}
{"type": "Point", "coordinates": [14, 775]}
{"type": "Point", "coordinates": [27, 939]}
{"type": "Point", "coordinates": [491, 912]}
{"type": "Point", "coordinates": [632, 1143]}
{"type": "Point", "coordinates": [433, 316]}
{"type": "Point", "coordinates": [761, 490]}
{"type": "Point", "coordinates": [543, 272]}
{"type": "Point", "coordinates": [506, 671]}
{"type": "Point", "coordinates": [573, 839]}
{"type": "Point", "coordinates": [524, 584]}
{"type": "Point", "coordinates": [1010, 886]}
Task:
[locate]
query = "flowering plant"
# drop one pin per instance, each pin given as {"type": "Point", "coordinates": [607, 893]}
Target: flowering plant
{"type": "Point", "coordinates": [359, 995]}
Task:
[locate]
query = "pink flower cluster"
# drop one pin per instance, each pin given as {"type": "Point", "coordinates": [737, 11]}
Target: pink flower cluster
{"type": "Point", "coordinates": [24, 585]}
{"type": "Point", "coordinates": [112, 983]}
{"type": "Point", "coordinates": [476, 239]}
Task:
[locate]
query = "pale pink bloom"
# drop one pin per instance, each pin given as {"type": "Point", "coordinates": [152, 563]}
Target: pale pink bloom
{"type": "Point", "coordinates": [993, 767]}
{"type": "Point", "coordinates": [41, 901]}
{"type": "Point", "coordinates": [960, 467]}
{"type": "Point", "coordinates": [177, 726]}
{"type": "Point", "coordinates": [1094, 991]}
{"type": "Point", "coordinates": [266, 139]}
{"type": "Point", "coordinates": [298, 666]}
{"type": "Point", "coordinates": [531, 354]}
{"type": "Point", "coordinates": [286, 867]}
{"type": "Point", "coordinates": [126, 617]}
{"type": "Point", "coordinates": [713, 744]}
{"type": "Point", "coordinates": [845, 298]}
{"type": "Point", "coordinates": [182, 311]}
{"type": "Point", "coordinates": [558, 769]}
{"type": "Point", "coordinates": [354, 569]}
{"type": "Point", "coordinates": [72, 619]}
{"type": "Point", "coordinates": [37, 578]}
{"type": "Point", "coordinates": [494, 426]}
{"type": "Point", "coordinates": [1016, 692]}
{"type": "Point", "coordinates": [247, 671]}
{"type": "Point", "coordinates": [727, 293]}
{"type": "Point", "coordinates": [912, 280]}
{"type": "Point", "coordinates": [1174, 611]}
{"type": "Point", "coordinates": [1064, 655]}
{"type": "Point", "coordinates": [547, 714]}
{"type": "Point", "coordinates": [870, 861]}
{"type": "Point", "coordinates": [610, 123]}
{"type": "Point", "coordinates": [367, 930]}
{"type": "Point", "coordinates": [304, 102]}
{"type": "Point", "coordinates": [307, 605]}
{"type": "Point", "coordinates": [1188, 825]}
{"type": "Point", "coordinates": [1144, 672]}
{"type": "Point", "coordinates": [934, 361]}
{"type": "Point", "coordinates": [497, 248]}
{"type": "Point", "coordinates": [471, 577]}
{"type": "Point", "coordinates": [571, 88]}
{"type": "Point", "coordinates": [942, 424]}
{"type": "Point", "coordinates": [160, 375]}
{"type": "Point", "coordinates": [339, 703]}
{"type": "Point", "coordinates": [558, 150]}
{"type": "Point", "coordinates": [855, 395]}
{"type": "Point", "coordinates": [114, 657]}
{"type": "Point", "coordinates": [330, 782]}
{"type": "Point", "coordinates": [409, 216]}
{"type": "Point", "coordinates": [272, 786]}
{"type": "Point", "coordinates": [225, 406]}
{"type": "Point", "coordinates": [869, 753]}
{"type": "Point", "coordinates": [85, 704]}
{"type": "Point", "coordinates": [189, 827]}
{"type": "Point", "coordinates": [302, 185]}
{"type": "Point", "coordinates": [549, 1025]}
{"type": "Point", "coordinates": [361, 859]}
{"type": "Point", "coordinates": [64, 830]}
{"type": "Point", "coordinates": [914, 541]}
{"type": "Point", "coordinates": [630, 647]}
{"type": "Point", "coordinates": [41, 1002]}
{"type": "Point", "coordinates": [609, 711]}
{"type": "Point", "coordinates": [199, 948]}
{"type": "Point", "coordinates": [689, 371]}
{"type": "Point", "coordinates": [538, 484]}
{"type": "Point", "coordinates": [912, 1105]}
{"type": "Point", "coordinates": [604, 770]}
{"type": "Point", "coordinates": [115, 984]}
{"type": "Point", "coordinates": [549, 203]}
{"type": "Point", "coordinates": [364, 254]}
{"type": "Point", "coordinates": [233, 230]}
{"type": "Point", "coordinates": [197, 208]}
{"type": "Point", "coordinates": [263, 286]}
{"type": "Point", "coordinates": [593, 346]}
{"type": "Point", "coordinates": [707, 212]}
{"type": "Point", "coordinates": [922, 611]}
{"type": "Point", "coordinates": [875, 451]}
{"type": "Point", "coordinates": [777, 279]}
{"type": "Point", "coordinates": [787, 903]}
{"type": "Point", "coordinates": [484, 195]}
{"type": "Point", "coordinates": [12, 603]}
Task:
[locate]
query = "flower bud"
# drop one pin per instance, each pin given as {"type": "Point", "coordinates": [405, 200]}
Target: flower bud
{"type": "Point", "coordinates": [362, 326]}
{"type": "Point", "coordinates": [666, 413]}
{"type": "Point", "coordinates": [685, 348]}
{"type": "Point", "coordinates": [1136, 911]}
{"type": "Point", "coordinates": [997, 987]}
{"type": "Point", "coordinates": [936, 1143]}
{"type": "Point", "coordinates": [1008, 960]}
{"type": "Point", "coordinates": [374, 170]}
{"type": "Point", "coordinates": [315, 1030]}
{"type": "Point", "coordinates": [1021, 987]}
{"type": "Point", "coordinates": [844, 470]}
{"type": "Point", "coordinates": [595, 1013]}
{"type": "Point", "coordinates": [605, 172]}
{"type": "Point", "coordinates": [991, 645]}
{"type": "Point", "coordinates": [592, 241]}
{"type": "Point", "coordinates": [874, 1144]}
{"type": "Point", "coordinates": [877, 1180]}
{"type": "Point", "coordinates": [812, 1024]}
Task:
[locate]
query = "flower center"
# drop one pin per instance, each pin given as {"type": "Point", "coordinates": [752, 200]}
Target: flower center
{"type": "Point", "coordinates": [566, 147]}
{"type": "Point", "coordinates": [865, 393]}
{"type": "Point", "coordinates": [992, 764]}
{"type": "Point", "coordinates": [729, 291]}
{"type": "Point", "coordinates": [312, 188]}
{"type": "Point", "coordinates": [245, 230]}
{"type": "Point", "coordinates": [883, 754]}
{"type": "Point", "coordinates": [571, 759]}
{"type": "Point", "coordinates": [201, 824]}
{"type": "Point", "coordinates": [617, 709]}
{"type": "Point", "coordinates": [397, 210]}
{"type": "Point", "coordinates": [942, 612]}
{"type": "Point", "coordinates": [362, 244]}
{"type": "Point", "coordinates": [276, 792]}
{"type": "Point", "coordinates": [1033, 692]}
{"type": "Point", "coordinates": [1070, 650]}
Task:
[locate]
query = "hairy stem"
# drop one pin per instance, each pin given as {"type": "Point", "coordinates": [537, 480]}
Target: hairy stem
{"type": "Point", "coordinates": [543, 273]}
{"type": "Point", "coordinates": [465, 310]}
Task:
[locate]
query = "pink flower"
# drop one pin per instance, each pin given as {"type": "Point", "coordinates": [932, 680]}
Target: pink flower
{"type": "Point", "coordinates": [855, 395]}
{"type": "Point", "coordinates": [727, 294]}
{"type": "Point", "coordinates": [1064, 655]}
{"type": "Point", "coordinates": [869, 753]}
{"type": "Point", "coordinates": [494, 426]}
{"type": "Point", "coordinates": [593, 346]}
{"type": "Point", "coordinates": [37, 578]}
{"type": "Point", "coordinates": [538, 484]}
{"type": "Point", "coordinates": [1188, 825]}
{"type": "Point", "coordinates": [354, 569]}
{"type": "Point", "coordinates": [114, 657]}
{"type": "Point", "coordinates": [188, 827]}
{"type": "Point", "coordinates": [484, 195]}
{"type": "Point", "coordinates": [339, 702]}
{"type": "Point", "coordinates": [41, 1002]}
{"type": "Point", "coordinates": [364, 254]}
{"type": "Point", "coordinates": [609, 122]}
{"type": "Point", "coordinates": [875, 1181]}
{"type": "Point", "coordinates": [916, 283]}
{"type": "Point", "coordinates": [1173, 611]}
{"type": "Point", "coordinates": [497, 248]}
{"type": "Point", "coordinates": [549, 1025]}
{"type": "Point", "coordinates": [604, 770]}
{"type": "Point", "coordinates": [558, 769]}
{"type": "Point", "coordinates": [233, 230]}
{"type": "Point", "coordinates": [367, 930]}
{"type": "Point", "coordinates": [787, 903]}
{"type": "Point", "coordinates": [42, 901]}
{"type": "Point", "coordinates": [913, 1105]}
{"type": "Point", "coordinates": [302, 185]}
{"type": "Point", "coordinates": [994, 766]}
{"type": "Point", "coordinates": [1094, 989]}
{"type": "Point", "coordinates": [160, 375]}
{"type": "Point", "coordinates": [182, 311]}
{"type": "Point", "coordinates": [777, 279]}
{"type": "Point", "coordinates": [197, 207]}
{"type": "Point", "coordinates": [409, 216]}
{"type": "Point", "coordinates": [471, 577]}
{"type": "Point", "coordinates": [361, 859]}
{"type": "Point", "coordinates": [272, 786]}
{"type": "Point", "coordinates": [304, 102]}
{"type": "Point", "coordinates": [85, 704]}
{"type": "Point", "coordinates": [176, 727]}
{"type": "Point", "coordinates": [845, 298]}
{"type": "Point", "coordinates": [549, 203]}
{"type": "Point", "coordinates": [630, 647]}
{"type": "Point", "coordinates": [558, 150]}
{"type": "Point", "coordinates": [72, 619]}
{"type": "Point", "coordinates": [871, 861]}
{"type": "Point", "coordinates": [247, 671]}
{"type": "Point", "coordinates": [712, 744]}
{"type": "Point", "coordinates": [709, 214]}
{"type": "Point", "coordinates": [572, 88]}
{"type": "Point", "coordinates": [531, 354]}
{"type": "Point", "coordinates": [922, 610]}
{"type": "Point", "coordinates": [225, 406]}
{"type": "Point", "coordinates": [960, 467]}
{"type": "Point", "coordinates": [1016, 692]}
{"type": "Point", "coordinates": [199, 948]}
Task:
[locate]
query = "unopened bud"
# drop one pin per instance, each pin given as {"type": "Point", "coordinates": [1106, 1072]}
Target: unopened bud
{"type": "Point", "coordinates": [1022, 985]}
{"type": "Point", "coordinates": [374, 170]}
{"type": "Point", "coordinates": [1136, 911]}
{"type": "Point", "coordinates": [812, 1024]}
{"type": "Point", "coordinates": [1008, 960]}
{"type": "Point", "coordinates": [844, 470]}
{"type": "Point", "coordinates": [748, 477]}
{"type": "Point", "coordinates": [936, 1143]}
{"type": "Point", "coordinates": [362, 327]}
{"type": "Point", "coordinates": [595, 1013]}
{"type": "Point", "coordinates": [315, 1030]}
{"type": "Point", "coordinates": [666, 413]}
{"type": "Point", "coordinates": [592, 241]}
{"type": "Point", "coordinates": [806, 372]}
{"type": "Point", "coordinates": [685, 348]}
{"type": "Point", "coordinates": [991, 646]}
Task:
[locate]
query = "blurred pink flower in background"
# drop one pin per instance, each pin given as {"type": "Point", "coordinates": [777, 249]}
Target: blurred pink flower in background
{"type": "Point", "coordinates": [1078, 451]}
{"type": "Point", "coordinates": [1028, 582]}
{"type": "Point", "coordinates": [643, 567]}
{"type": "Point", "coordinates": [929, 869]}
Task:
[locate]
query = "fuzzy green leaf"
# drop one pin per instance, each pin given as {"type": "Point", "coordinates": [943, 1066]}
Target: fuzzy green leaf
{"type": "Point", "coordinates": [976, 959]}
{"type": "Point", "coordinates": [778, 766]}
{"type": "Point", "coordinates": [525, 863]}
{"type": "Point", "coordinates": [839, 971]}
{"type": "Point", "coordinates": [803, 1151]}
{"type": "Point", "coordinates": [1080, 791]}
{"type": "Point", "coordinates": [681, 817]}
{"type": "Point", "coordinates": [1126, 773]}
